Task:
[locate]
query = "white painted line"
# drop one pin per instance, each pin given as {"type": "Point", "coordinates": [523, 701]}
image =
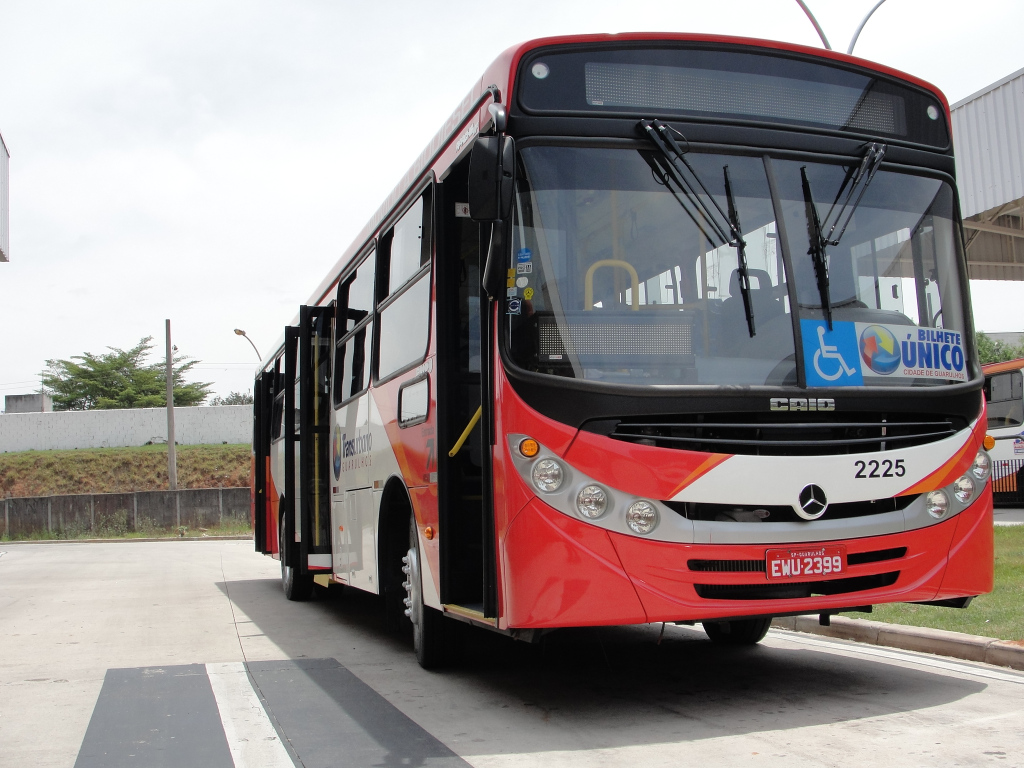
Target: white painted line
{"type": "Point", "coordinates": [912, 657]}
{"type": "Point", "coordinates": [251, 736]}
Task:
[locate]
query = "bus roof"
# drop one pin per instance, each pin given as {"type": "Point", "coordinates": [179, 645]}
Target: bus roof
{"type": "Point", "coordinates": [1006, 365]}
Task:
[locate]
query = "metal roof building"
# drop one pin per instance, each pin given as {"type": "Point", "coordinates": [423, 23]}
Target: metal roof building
{"type": "Point", "coordinates": [5, 201]}
{"type": "Point", "coordinates": [988, 138]}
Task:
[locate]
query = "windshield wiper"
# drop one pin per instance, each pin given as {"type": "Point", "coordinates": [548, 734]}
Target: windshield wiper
{"type": "Point", "coordinates": [817, 249]}
{"type": "Point", "coordinates": [857, 181]}
{"type": "Point", "coordinates": [741, 252]}
{"type": "Point", "coordinates": [725, 227]}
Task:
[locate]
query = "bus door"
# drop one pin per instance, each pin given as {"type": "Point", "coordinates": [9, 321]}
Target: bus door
{"type": "Point", "coordinates": [353, 509]}
{"type": "Point", "coordinates": [466, 522]}
{"type": "Point", "coordinates": [288, 446]}
{"type": "Point", "coordinates": [263, 408]}
{"type": "Point", "coordinates": [1004, 393]}
{"type": "Point", "coordinates": [314, 385]}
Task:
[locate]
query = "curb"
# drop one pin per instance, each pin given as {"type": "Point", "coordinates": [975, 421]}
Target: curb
{"type": "Point", "coordinates": [126, 541]}
{"type": "Point", "coordinates": [940, 642]}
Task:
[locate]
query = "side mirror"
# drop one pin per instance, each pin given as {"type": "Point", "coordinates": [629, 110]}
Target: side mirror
{"type": "Point", "coordinates": [492, 176]}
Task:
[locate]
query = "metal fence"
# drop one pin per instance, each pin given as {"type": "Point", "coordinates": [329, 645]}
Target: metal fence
{"type": "Point", "coordinates": [1008, 481]}
{"type": "Point", "coordinates": [115, 514]}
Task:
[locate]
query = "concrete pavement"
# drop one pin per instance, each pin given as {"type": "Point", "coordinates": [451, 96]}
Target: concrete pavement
{"type": "Point", "coordinates": [73, 615]}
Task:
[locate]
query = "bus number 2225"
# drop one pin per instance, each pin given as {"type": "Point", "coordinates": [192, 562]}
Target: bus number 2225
{"type": "Point", "coordinates": [883, 468]}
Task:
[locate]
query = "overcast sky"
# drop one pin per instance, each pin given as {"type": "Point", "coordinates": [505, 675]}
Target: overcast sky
{"type": "Point", "coordinates": [209, 161]}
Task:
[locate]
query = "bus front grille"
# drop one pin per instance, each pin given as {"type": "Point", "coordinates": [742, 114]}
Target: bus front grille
{"type": "Point", "coordinates": [771, 434]}
{"type": "Point", "coordinates": [758, 566]}
{"type": "Point", "coordinates": [755, 514]}
{"type": "Point", "coordinates": [787, 591]}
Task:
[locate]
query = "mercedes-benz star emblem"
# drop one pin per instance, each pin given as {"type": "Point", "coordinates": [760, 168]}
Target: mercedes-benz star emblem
{"type": "Point", "coordinates": [813, 502]}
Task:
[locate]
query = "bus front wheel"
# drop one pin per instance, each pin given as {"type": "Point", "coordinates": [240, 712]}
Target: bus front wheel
{"type": "Point", "coordinates": [737, 632]}
{"type": "Point", "coordinates": [427, 622]}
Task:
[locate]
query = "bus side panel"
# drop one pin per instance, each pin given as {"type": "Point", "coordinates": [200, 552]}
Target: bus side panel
{"type": "Point", "coordinates": [971, 559]}
{"type": "Point", "coordinates": [563, 573]}
{"type": "Point", "coordinates": [412, 453]}
{"type": "Point", "coordinates": [666, 585]}
{"type": "Point", "coordinates": [275, 481]}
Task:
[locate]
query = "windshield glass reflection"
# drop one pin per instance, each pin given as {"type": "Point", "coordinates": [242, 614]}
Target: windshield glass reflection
{"type": "Point", "coordinates": [612, 279]}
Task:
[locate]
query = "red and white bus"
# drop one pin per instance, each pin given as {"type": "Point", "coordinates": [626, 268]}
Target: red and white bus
{"type": "Point", "coordinates": [658, 328]}
{"type": "Point", "coordinates": [1004, 397]}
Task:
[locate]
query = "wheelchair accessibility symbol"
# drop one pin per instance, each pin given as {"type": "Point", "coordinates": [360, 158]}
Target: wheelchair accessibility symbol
{"type": "Point", "coordinates": [829, 352]}
{"type": "Point", "coordinates": [830, 357]}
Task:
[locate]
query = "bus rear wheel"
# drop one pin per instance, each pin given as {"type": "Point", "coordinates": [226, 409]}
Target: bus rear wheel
{"type": "Point", "coordinates": [427, 622]}
{"type": "Point", "coordinates": [738, 631]}
{"type": "Point", "coordinates": [296, 586]}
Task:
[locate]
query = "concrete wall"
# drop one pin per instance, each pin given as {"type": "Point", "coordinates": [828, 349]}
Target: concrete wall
{"type": "Point", "coordinates": [34, 403]}
{"type": "Point", "coordinates": [64, 430]}
{"type": "Point", "coordinates": [108, 514]}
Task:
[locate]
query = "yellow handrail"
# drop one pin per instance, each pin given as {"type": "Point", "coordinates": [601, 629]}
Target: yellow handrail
{"type": "Point", "coordinates": [465, 433]}
{"type": "Point", "coordinates": [588, 290]}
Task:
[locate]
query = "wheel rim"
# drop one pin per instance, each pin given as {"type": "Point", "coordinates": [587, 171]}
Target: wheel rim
{"type": "Point", "coordinates": [413, 600]}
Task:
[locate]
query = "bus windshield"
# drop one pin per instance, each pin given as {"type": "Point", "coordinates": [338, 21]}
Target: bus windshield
{"type": "Point", "coordinates": [613, 277]}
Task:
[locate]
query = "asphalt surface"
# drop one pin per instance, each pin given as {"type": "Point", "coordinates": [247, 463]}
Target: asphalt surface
{"type": "Point", "coordinates": [186, 653]}
{"type": "Point", "coordinates": [1009, 516]}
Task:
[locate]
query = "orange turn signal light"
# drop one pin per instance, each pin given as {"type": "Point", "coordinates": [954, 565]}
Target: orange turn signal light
{"type": "Point", "coordinates": [428, 533]}
{"type": "Point", "coordinates": [529, 447]}
{"type": "Point", "coordinates": [989, 442]}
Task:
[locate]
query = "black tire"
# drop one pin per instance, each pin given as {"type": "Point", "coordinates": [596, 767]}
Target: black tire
{"type": "Point", "coordinates": [428, 624]}
{"type": "Point", "coordinates": [738, 632]}
{"type": "Point", "coordinates": [296, 587]}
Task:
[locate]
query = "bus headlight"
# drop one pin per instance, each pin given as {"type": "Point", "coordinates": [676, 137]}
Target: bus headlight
{"type": "Point", "coordinates": [641, 517]}
{"type": "Point", "coordinates": [937, 504]}
{"type": "Point", "coordinates": [592, 501]}
{"type": "Point", "coordinates": [963, 489]}
{"type": "Point", "coordinates": [548, 475]}
{"type": "Point", "coordinates": [982, 465]}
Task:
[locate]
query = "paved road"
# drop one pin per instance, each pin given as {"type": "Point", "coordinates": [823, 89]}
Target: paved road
{"type": "Point", "coordinates": [186, 653]}
{"type": "Point", "coordinates": [1009, 516]}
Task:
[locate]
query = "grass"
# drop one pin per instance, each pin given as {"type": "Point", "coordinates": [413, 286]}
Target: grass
{"type": "Point", "coordinates": [121, 470]}
{"type": "Point", "coordinates": [998, 614]}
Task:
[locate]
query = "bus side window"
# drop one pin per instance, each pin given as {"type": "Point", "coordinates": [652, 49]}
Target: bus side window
{"type": "Point", "coordinates": [1005, 395]}
{"type": "Point", "coordinates": [354, 329]}
{"type": "Point", "coordinates": [277, 423]}
{"type": "Point", "coordinates": [404, 307]}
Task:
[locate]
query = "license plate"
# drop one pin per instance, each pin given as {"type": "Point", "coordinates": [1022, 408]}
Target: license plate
{"type": "Point", "coordinates": [803, 564]}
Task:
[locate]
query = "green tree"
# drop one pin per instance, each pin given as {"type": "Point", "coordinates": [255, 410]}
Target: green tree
{"type": "Point", "coordinates": [120, 378]}
{"type": "Point", "coordinates": [993, 351]}
{"type": "Point", "coordinates": [233, 398]}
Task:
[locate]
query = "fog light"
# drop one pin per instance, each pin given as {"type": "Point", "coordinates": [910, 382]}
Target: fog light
{"type": "Point", "coordinates": [937, 504]}
{"type": "Point", "coordinates": [548, 475]}
{"type": "Point", "coordinates": [963, 489]}
{"type": "Point", "coordinates": [982, 465]}
{"type": "Point", "coordinates": [592, 501]}
{"type": "Point", "coordinates": [641, 517]}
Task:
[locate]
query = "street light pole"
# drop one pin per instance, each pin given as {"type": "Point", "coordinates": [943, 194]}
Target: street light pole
{"type": "Point", "coordinates": [853, 40]}
{"type": "Point", "coordinates": [240, 332]}
{"type": "Point", "coordinates": [172, 457]}
{"type": "Point", "coordinates": [821, 34]}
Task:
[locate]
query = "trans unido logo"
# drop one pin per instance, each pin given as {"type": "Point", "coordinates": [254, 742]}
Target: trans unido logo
{"type": "Point", "coordinates": [351, 452]}
{"type": "Point", "coordinates": [879, 349]}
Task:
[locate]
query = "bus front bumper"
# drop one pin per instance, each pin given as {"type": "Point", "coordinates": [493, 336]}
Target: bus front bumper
{"type": "Point", "coordinates": [561, 572]}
